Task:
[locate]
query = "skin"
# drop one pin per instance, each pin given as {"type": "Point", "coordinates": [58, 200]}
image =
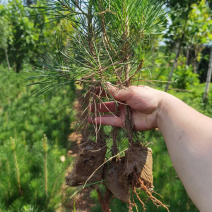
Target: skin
{"type": "Point", "coordinates": [187, 133]}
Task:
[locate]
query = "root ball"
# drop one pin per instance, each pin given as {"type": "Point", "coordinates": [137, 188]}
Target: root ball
{"type": "Point", "coordinates": [138, 161]}
{"type": "Point", "coordinates": [112, 172]}
{"type": "Point", "coordinates": [88, 161]}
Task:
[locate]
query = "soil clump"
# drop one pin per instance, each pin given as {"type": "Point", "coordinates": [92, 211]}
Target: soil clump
{"type": "Point", "coordinates": [91, 156]}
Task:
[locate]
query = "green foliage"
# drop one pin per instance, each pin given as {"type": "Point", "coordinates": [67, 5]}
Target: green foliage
{"type": "Point", "coordinates": [31, 169]}
{"type": "Point", "coordinates": [195, 100]}
{"type": "Point", "coordinates": [5, 32]}
{"type": "Point", "coordinates": [190, 28]}
{"type": "Point", "coordinates": [199, 26]}
{"type": "Point", "coordinates": [102, 45]}
{"type": "Point", "coordinates": [28, 32]}
{"type": "Point", "coordinates": [23, 33]}
{"type": "Point", "coordinates": [180, 3]}
{"type": "Point", "coordinates": [184, 78]}
{"type": "Point", "coordinates": [195, 24]}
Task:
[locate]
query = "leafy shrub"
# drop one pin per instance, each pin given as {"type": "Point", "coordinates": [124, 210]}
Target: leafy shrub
{"type": "Point", "coordinates": [183, 76]}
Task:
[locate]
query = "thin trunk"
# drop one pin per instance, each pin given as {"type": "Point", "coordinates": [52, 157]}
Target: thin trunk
{"type": "Point", "coordinates": [106, 41]}
{"type": "Point", "coordinates": [175, 62]}
{"type": "Point", "coordinates": [195, 63]}
{"type": "Point", "coordinates": [187, 55]}
{"type": "Point", "coordinates": [18, 173]}
{"type": "Point", "coordinates": [173, 67]}
{"type": "Point", "coordinates": [7, 59]}
{"type": "Point", "coordinates": [129, 123]}
{"type": "Point", "coordinates": [198, 49]}
{"type": "Point", "coordinates": [177, 53]}
{"type": "Point", "coordinates": [208, 80]}
{"type": "Point", "coordinates": [45, 148]}
{"type": "Point", "coordinates": [90, 28]}
{"type": "Point", "coordinates": [196, 66]}
{"type": "Point", "coordinates": [46, 174]}
{"type": "Point", "coordinates": [98, 131]}
{"type": "Point", "coordinates": [126, 35]}
{"type": "Point", "coordinates": [90, 99]}
{"type": "Point", "coordinates": [9, 185]}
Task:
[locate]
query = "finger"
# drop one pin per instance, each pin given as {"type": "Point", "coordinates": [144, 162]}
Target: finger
{"type": "Point", "coordinates": [122, 110]}
{"type": "Point", "coordinates": [144, 122]}
{"type": "Point", "coordinates": [110, 120]}
{"type": "Point", "coordinates": [120, 94]}
{"type": "Point", "coordinates": [104, 107]}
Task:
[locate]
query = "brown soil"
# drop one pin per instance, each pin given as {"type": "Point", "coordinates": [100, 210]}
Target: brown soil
{"type": "Point", "coordinates": [83, 202]}
{"type": "Point", "coordinates": [91, 156]}
{"type": "Point", "coordinates": [138, 160]}
{"type": "Point", "coordinates": [112, 173]}
{"type": "Point", "coordinates": [129, 171]}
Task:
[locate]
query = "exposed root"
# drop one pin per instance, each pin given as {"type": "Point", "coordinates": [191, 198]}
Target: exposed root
{"type": "Point", "coordinates": [143, 205]}
{"type": "Point", "coordinates": [134, 204]}
{"type": "Point", "coordinates": [154, 199]}
{"type": "Point", "coordinates": [105, 201]}
{"type": "Point", "coordinates": [130, 207]}
{"type": "Point", "coordinates": [157, 194]}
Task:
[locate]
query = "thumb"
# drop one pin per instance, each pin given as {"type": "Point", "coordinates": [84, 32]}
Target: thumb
{"type": "Point", "coordinates": [120, 93]}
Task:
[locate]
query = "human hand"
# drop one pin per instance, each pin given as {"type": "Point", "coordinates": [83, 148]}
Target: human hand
{"type": "Point", "coordinates": [145, 103]}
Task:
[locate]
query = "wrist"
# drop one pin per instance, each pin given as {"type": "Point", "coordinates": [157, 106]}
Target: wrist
{"type": "Point", "coordinates": [163, 105]}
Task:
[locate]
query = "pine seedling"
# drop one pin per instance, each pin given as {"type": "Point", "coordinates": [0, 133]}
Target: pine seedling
{"type": "Point", "coordinates": [16, 166]}
{"type": "Point", "coordinates": [112, 42]}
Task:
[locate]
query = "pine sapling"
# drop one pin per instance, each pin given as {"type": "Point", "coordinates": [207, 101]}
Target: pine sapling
{"type": "Point", "coordinates": [112, 42]}
{"type": "Point", "coordinates": [45, 148]}
{"type": "Point", "coordinates": [13, 146]}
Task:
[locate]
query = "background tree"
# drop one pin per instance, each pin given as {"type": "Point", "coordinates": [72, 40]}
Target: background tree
{"type": "Point", "coordinates": [193, 34]}
{"type": "Point", "coordinates": [176, 34]}
{"type": "Point", "coordinates": [209, 73]}
{"type": "Point", "coordinates": [29, 33]}
{"type": "Point", "coordinates": [5, 35]}
{"type": "Point", "coordinates": [208, 79]}
{"type": "Point", "coordinates": [24, 34]}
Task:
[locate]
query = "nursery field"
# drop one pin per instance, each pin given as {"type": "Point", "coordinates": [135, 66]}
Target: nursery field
{"type": "Point", "coordinates": [34, 143]}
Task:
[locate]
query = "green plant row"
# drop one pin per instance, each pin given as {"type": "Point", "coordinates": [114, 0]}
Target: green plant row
{"type": "Point", "coordinates": [33, 145]}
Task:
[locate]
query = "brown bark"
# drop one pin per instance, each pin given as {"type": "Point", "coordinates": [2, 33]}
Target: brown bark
{"type": "Point", "coordinates": [175, 62]}
{"type": "Point", "coordinates": [187, 55]}
{"type": "Point", "coordinates": [208, 80]}
{"type": "Point", "coordinates": [7, 59]}
{"type": "Point", "coordinates": [177, 53]}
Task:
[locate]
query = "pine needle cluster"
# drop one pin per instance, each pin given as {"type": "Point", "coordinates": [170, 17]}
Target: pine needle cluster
{"type": "Point", "coordinates": [108, 37]}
